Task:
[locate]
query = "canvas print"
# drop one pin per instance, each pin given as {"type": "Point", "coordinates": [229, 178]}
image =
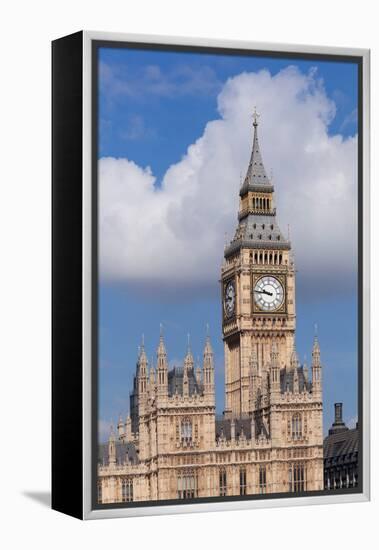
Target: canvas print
{"type": "Point", "coordinates": [227, 362]}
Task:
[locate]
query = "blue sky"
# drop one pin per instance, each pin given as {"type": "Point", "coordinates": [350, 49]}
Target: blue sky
{"type": "Point", "coordinates": [152, 107]}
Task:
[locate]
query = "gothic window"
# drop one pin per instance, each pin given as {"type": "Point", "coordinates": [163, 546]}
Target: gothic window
{"type": "Point", "coordinates": [187, 486]}
{"type": "Point", "coordinates": [297, 431]}
{"type": "Point", "coordinates": [262, 479]}
{"type": "Point", "coordinates": [242, 481]}
{"type": "Point", "coordinates": [222, 480]}
{"type": "Point", "coordinates": [297, 477]}
{"type": "Point", "coordinates": [186, 431]}
{"type": "Point", "coordinates": [197, 431]}
{"type": "Point", "coordinates": [127, 489]}
{"type": "Point", "coordinates": [99, 492]}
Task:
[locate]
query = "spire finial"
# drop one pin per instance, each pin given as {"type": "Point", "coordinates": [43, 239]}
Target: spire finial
{"type": "Point", "coordinates": [188, 342]}
{"type": "Point", "coordinates": [143, 341]}
{"type": "Point", "coordinates": [315, 330]}
{"type": "Point", "coordinates": [255, 117]}
{"type": "Point", "coordinates": [207, 330]}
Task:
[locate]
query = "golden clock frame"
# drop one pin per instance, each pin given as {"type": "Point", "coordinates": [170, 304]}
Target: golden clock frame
{"type": "Point", "coordinates": [282, 277]}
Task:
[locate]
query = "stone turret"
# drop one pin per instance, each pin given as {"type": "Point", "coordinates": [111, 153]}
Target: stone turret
{"type": "Point", "coordinates": [112, 448]}
{"type": "Point", "coordinates": [128, 428]}
{"type": "Point", "coordinates": [120, 428]}
{"type": "Point", "coordinates": [274, 369]}
{"type": "Point", "coordinates": [316, 367]}
{"type": "Point", "coordinates": [142, 368]}
{"type": "Point", "coordinates": [208, 368]}
{"type": "Point", "coordinates": [162, 367]}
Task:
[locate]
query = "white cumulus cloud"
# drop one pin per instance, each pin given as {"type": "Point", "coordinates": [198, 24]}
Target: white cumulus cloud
{"type": "Point", "coordinates": [172, 236]}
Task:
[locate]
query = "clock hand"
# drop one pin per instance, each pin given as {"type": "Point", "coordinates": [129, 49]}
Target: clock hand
{"type": "Point", "coordinates": [263, 292]}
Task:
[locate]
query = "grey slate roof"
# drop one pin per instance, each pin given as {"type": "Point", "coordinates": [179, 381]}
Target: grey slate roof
{"type": "Point", "coordinates": [223, 427]}
{"type": "Point", "coordinates": [287, 377]}
{"type": "Point", "coordinates": [341, 447]}
{"type": "Point", "coordinates": [258, 231]}
{"type": "Point", "coordinates": [125, 452]}
{"type": "Point", "coordinates": [175, 382]}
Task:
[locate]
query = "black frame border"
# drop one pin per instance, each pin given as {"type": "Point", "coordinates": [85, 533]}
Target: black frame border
{"type": "Point", "coordinates": [67, 258]}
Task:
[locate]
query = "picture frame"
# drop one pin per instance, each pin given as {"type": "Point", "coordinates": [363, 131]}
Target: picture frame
{"type": "Point", "coordinates": [76, 386]}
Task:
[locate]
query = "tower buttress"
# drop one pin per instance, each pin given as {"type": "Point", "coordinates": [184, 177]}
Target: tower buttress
{"type": "Point", "coordinates": [274, 370]}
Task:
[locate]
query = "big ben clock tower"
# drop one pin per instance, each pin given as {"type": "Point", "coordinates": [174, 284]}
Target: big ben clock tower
{"type": "Point", "coordinates": [258, 288]}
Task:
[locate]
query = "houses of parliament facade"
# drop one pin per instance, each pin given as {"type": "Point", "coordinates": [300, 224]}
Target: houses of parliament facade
{"type": "Point", "coordinates": [270, 437]}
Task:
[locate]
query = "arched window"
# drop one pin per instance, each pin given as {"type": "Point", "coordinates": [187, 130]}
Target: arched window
{"type": "Point", "coordinates": [186, 431]}
{"type": "Point", "coordinates": [297, 430]}
{"type": "Point", "coordinates": [262, 479]}
{"type": "Point", "coordinates": [222, 483]}
{"type": "Point", "coordinates": [243, 485]}
{"type": "Point", "coordinates": [297, 477]}
{"type": "Point", "coordinates": [187, 484]}
{"type": "Point", "coordinates": [127, 489]}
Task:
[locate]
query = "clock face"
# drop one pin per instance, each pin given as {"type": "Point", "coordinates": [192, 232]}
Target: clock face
{"type": "Point", "coordinates": [268, 293]}
{"type": "Point", "coordinates": [229, 299]}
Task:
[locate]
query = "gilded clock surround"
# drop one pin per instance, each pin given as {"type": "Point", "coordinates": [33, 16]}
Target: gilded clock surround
{"type": "Point", "coordinates": [256, 276]}
{"type": "Point", "coordinates": [228, 317]}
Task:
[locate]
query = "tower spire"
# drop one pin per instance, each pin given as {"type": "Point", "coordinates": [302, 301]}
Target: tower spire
{"type": "Point", "coordinates": [256, 173]}
{"type": "Point", "coordinates": [188, 360]}
{"type": "Point", "coordinates": [162, 367]}
{"type": "Point", "coordinates": [316, 365]}
{"type": "Point", "coordinates": [208, 366]}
